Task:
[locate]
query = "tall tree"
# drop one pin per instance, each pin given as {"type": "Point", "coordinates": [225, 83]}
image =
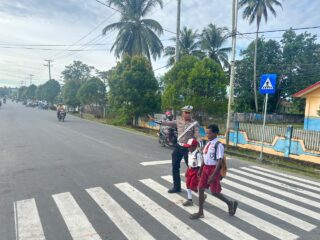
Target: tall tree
{"type": "Point", "coordinates": [51, 90]}
{"type": "Point", "coordinates": [137, 35]}
{"type": "Point", "coordinates": [134, 90]}
{"type": "Point", "coordinates": [77, 71]}
{"type": "Point", "coordinates": [201, 83]}
{"type": "Point", "coordinates": [93, 93]}
{"type": "Point", "coordinates": [69, 93]}
{"type": "Point", "coordinates": [188, 45]}
{"type": "Point", "coordinates": [213, 39]}
{"type": "Point", "coordinates": [31, 91]}
{"type": "Point", "coordinates": [255, 10]}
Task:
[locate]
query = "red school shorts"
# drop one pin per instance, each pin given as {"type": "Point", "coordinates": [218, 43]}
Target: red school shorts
{"type": "Point", "coordinates": [192, 180]}
{"type": "Point", "coordinates": [207, 171]}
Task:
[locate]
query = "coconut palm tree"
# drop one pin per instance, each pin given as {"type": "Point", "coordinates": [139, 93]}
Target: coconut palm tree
{"type": "Point", "coordinates": [188, 45]}
{"type": "Point", "coordinates": [137, 35]}
{"type": "Point", "coordinates": [213, 39]}
{"type": "Point", "coordinates": [254, 11]}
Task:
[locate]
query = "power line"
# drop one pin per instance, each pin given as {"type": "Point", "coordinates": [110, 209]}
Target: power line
{"type": "Point", "coordinates": [280, 30]}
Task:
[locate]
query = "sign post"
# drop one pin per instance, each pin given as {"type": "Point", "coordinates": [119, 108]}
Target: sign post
{"type": "Point", "coordinates": [267, 86]}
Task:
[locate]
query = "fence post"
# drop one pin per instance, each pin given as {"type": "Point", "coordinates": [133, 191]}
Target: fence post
{"type": "Point", "coordinates": [288, 137]}
{"type": "Point", "coordinates": [236, 133]}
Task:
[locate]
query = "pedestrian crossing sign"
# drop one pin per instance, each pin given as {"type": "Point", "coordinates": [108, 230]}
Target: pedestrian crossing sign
{"type": "Point", "coordinates": [268, 84]}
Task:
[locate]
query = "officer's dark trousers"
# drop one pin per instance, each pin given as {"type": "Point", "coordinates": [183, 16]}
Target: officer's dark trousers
{"type": "Point", "coordinates": [177, 154]}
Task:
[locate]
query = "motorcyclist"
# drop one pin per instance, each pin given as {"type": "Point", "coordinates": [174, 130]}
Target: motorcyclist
{"type": "Point", "coordinates": [169, 131]}
{"type": "Point", "coordinates": [60, 109]}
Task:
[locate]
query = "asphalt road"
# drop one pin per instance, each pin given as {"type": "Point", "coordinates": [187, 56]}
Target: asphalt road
{"type": "Point", "coordinates": [82, 180]}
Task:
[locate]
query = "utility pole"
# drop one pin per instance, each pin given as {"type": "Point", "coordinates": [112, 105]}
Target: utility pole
{"type": "Point", "coordinates": [49, 66]}
{"type": "Point", "coordinates": [31, 76]}
{"type": "Point", "coordinates": [178, 32]}
{"type": "Point", "coordinates": [232, 74]}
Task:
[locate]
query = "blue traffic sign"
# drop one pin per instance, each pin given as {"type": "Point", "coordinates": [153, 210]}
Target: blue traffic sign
{"type": "Point", "coordinates": [268, 84]}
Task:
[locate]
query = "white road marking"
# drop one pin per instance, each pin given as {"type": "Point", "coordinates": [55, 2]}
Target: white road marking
{"type": "Point", "coordinates": [259, 223]}
{"type": "Point", "coordinates": [77, 222]}
{"type": "Point", "coordinates": [123, 220]}
{"type": "Point", "coordinates": [272, 189]}
{"type": "Point", "coordinates": [277, 183]}
{"type": "Point", "coordinates": [176, 226]}
{"type": "Point", "coordinates": [27, 221]}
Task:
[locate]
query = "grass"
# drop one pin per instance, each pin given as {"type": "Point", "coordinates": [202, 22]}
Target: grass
{"type": "Point", "coordinates": [280, 163]}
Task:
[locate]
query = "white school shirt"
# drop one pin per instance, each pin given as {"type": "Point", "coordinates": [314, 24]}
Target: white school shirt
{"type": "Point", "coordinates": [209, 152]}
{"type": "Point", "coordinates": [195, 159]}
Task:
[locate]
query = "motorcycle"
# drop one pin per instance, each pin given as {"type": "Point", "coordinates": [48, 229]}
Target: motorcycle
{"type": "Point", "coordinates": [61, 115]}
{"type": "Point", "coordinates": [167, 135]}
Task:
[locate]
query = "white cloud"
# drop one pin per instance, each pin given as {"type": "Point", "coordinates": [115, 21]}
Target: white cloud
{"type": "Point", "coordinates": [65, 21]}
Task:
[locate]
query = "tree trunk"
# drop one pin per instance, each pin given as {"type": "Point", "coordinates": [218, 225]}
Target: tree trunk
{"type": "Point", "coordinates": [178, 32]}
{"type": "Point", "coordinates": [255, 70]}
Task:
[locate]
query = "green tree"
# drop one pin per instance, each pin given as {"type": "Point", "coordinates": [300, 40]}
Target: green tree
{"type": "Point", "coordinates": [69, 93]}
{"type": "Point", "coordinates": [39, 92]}
{"type": "Point", "coordinates": [137, 35]}
{"type": "Point", "coordinates": [31, 91]}
{"type": "Point", "coordinates": [50, 90]}
{"type": "Point", "coordinates": [93, 94]}
{"type": "Point", "coordinates": [78, 72]}
{"type": "Point", "coordinates": [22, 92]}
{"type": "Point", "coordinates": [188, 45]}
{"type": "Point", "coordinates": [213, 39]}
{"type": "Point", "coordinates": [201, 83]}
{"type": "Point", "coordinates": [4, 91]}
{"type": "Point", "coordinates": [255, 10]}
{"type": "Point", "coordinates": [134, 88]}
{"type": "Point", "coordinates": [269, 61]}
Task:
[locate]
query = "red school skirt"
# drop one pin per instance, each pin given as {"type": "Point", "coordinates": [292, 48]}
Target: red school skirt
{"type": "Point", "coordinates": [192, 179]}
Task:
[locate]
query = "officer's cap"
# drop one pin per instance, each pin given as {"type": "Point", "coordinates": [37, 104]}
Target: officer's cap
{"type": "Point", "coordinates": [187, 108]}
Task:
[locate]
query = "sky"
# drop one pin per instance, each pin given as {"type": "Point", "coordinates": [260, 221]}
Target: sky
{"type": "Point", "coordinates": [32, 23]}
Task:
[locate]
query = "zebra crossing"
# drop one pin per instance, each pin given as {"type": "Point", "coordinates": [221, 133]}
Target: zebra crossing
{"type": "Point", "coordinates": [272, 205]}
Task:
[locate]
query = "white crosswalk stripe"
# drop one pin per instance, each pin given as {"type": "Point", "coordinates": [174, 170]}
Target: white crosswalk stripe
{"type": "Point", "coordinates": [27, 221]}
{"type": "Point", "coordinates": [277, 183]}
{"type": "Point", "coordinates": [251, 212]}
{"type": "Point", "coordinates": [220, 225]}
{"type": "Point", "coordinates": [296, 182]}
{"type": "Point", "coordinates": [78, 224]}
{"type": "Point", "coordinates": [128, 226]}
{"type": "Point", "coordinates": [261, 224]}
{"type": "Point", "coordinates": [273, 189]}
{"type": "Point", "coordinates": [275, 200]}
{"type": "Point", "coordinates": [176, 226]}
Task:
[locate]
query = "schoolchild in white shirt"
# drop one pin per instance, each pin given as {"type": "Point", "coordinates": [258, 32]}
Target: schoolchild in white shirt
{"type": "Point", "coordinates": [192, 174]}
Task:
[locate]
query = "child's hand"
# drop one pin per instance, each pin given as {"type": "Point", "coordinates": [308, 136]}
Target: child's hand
{"type": "Point", "coordinates": [211, 179]}
{"type": "Point", "coordinates": [199, 174]}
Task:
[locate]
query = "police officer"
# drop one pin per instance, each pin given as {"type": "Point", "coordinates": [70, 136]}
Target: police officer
{"type": "Point", "coordinates": [187, 128]}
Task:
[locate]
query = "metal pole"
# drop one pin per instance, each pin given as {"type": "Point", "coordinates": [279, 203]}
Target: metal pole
{"type": "Point", "coordinates": [178, 32]}
{"type": "Point", "coordinates": [264, 124]}
{"type": "Point", "coordinates": [232, 74]}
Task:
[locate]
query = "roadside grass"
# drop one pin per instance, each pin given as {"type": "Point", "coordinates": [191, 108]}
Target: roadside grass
{"type": "Point", "coordinates": [270, 161]}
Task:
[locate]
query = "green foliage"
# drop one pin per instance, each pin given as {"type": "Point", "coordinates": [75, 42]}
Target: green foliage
{"type": "Point", "coordinates": [50, 90]}
{"type": "Point", "coordinates": [31, 91]}
{"type": "Point", "coordinates": [188, 45]}
{"type": "Point", "coordinates": [69, 93]}
{"type": "Point", "coordinates": [77, 72]}
{"type": "Point", "coordinates": [318, 112]}
{"type": "Point", "coordinates": [137, 35]}
{"type": "Point", "coordinates": [295, 60]}
{"type": "Point", "coordinates": [200, 83]}
{"type": "Point", "coordinates": [133, 88]}
{"type": "Point", "coordinates": [22, 92]}
{"type": "Point", "coordinates": [93, 93]}
{"type": "Point", "coordinates": [213, 39]}
{"type": "Point", "coordinates": [255, 10]}
{"type": "Point", "coordinates": [4, 91]}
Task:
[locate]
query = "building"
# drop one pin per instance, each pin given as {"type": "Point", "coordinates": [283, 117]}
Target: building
{"type": "Point", "coordinates": [312, 96]}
